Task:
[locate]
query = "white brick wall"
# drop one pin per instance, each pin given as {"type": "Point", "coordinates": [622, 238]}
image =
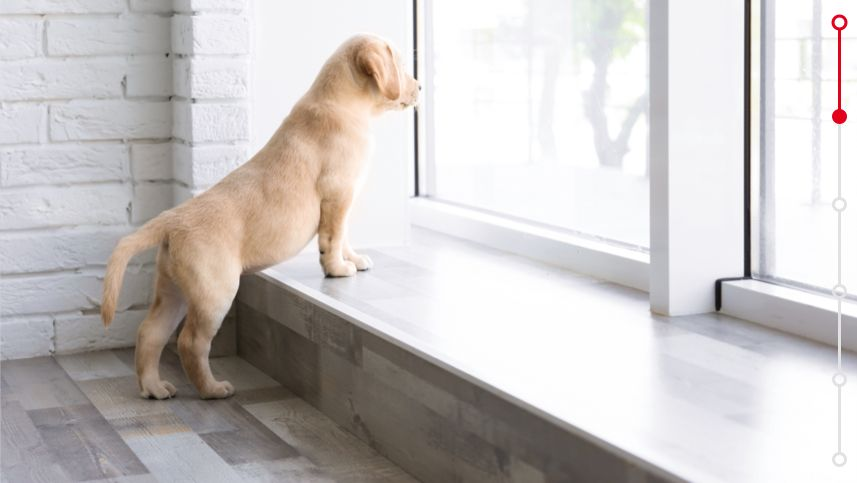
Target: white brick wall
{"type": "Point", "coordinates": [61, 78]}
{"type": "Point", "coordinates": [110, 112]}
{"type": "Point", "coordinates": [110, 119]}
{"type": "Point", "coordinates": [63, 163]}
{"type": "Point", "coordinates": [211, 78]}
{"type": "Point", "coordinates": [62, 6]}
{"type": "Point", "coordinates": [22, 123]}
{"type": "Point", "coordinates": [20, 37]}
{"type": "Point", "coordinates": [137, 34]}
{"type": "Point", "coordinates": [61, 249]}
{"type": "Point", "coordinates": [210, 40]}
{"type": "Point", "coordinates": [203, 166]}
{"type": "Point", "coordinates": [40, 207]}
{"type": "Point", "coordinates": [209, 5]}
{"type": "Point", "coordinates": [149, 76]}
{"type": "Point", "coordinates": [152, 162]}
{"type": "Point", "coordinates": [211, 34]}
{"type": "Point", "coordinates": [210, 122]}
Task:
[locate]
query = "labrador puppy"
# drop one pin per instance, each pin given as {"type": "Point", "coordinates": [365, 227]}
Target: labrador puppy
{"type": "Point", "coordinates": [301, 183]}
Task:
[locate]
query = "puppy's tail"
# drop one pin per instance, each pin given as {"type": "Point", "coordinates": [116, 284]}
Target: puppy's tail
{"type": "Point", "coordinates": [149, 235]}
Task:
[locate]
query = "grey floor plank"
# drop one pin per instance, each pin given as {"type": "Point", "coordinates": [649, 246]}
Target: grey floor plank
{"type": "Point", "coordinates": [330, 447]}
{"type": "Point", "coordinates": [119, 397]}
{"type": "Point", "coordinates": [240, 373]}
{"type": "Point", "coordinates": [147, 478]}
{"type": "Point", "coordinates": [298, 469]}
{"type": "Point", "coordinates": [24, 456]}
{"type": "Point", "coordinates": [93, 365]}
{"type": "Point", "coordinates": [84, 443]}
{"type": "Point", "coordinates": [40, 383]}
{"type": "Point", "coordinates": [80, 418]}
{"type": "Point", "coordinates": [180, 457]}
{"type": "Point", "coordinates": [231, 431]}
{"type": "Point", "coordinates": [248, 445]}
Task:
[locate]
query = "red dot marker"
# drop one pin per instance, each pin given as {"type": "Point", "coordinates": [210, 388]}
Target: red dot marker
{"type": "Point", "coordinates": [839, 115]}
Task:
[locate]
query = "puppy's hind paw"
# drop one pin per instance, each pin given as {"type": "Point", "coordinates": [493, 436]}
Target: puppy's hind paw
{"type": "Point", "coordinates": [158, 390]}
{"type": "Point", "coordinates": [219, 390]}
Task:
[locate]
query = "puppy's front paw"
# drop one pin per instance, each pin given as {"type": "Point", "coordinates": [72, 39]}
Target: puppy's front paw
{"type": "Point", "coordinates": [340, 268]}
{"type": "Point", "coordinates": [362, 262]}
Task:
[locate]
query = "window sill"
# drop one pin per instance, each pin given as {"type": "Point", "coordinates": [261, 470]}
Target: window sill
{"type": "Point", "coordinates": [791, 310]}
{"type": "Point", "coordinates": [598, 259]}
{"type": "Point", "coordinates": [699, 398]}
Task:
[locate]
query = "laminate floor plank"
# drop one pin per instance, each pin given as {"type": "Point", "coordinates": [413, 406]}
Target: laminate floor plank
{"type": "Point", "coordinates": [339, 453]}
{"type": "Point", "coordinates": [85, 444]}
{"type": "Point", "coordinates": [93, 365]}
{"type": "Point", "coordinates": [25, 456]}
{"type": "Point", "coordinates": [80, 417]}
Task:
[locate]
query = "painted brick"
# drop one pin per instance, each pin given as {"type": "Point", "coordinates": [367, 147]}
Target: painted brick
{"type": "Point", "coordinates": [78, 291]}
{"type": "Point", "coordinates": [196, 122]}
{"type": "Point", "coordinates": [183, 193]}
{"type": "Point", "coordinates": [61, 79]}
{"type": "Point", "coordinates": [26, 337]}
{"type": "Point", "coordinates": [152, 162]}
{"type": "Point", "coordinates": [79, 333]}
{"type": "Point", "coordinates": [98, 36]}
{"type": "Point", "coordinates": [150, 77]}
{"type": "Point", "coordinates": [210, 78]}
{"type": "Point", "coordinates": [203, 166]}
{"type": "Point", "coordinates": [152, 6]}
{"type": "Point", "coordinates": [20, 38]}
{"type": "Point", "coordinates": [94, 120]}
{"type": "Point", "coordinates": [210, 34]}
{"type": "Point", "coordinates": [62, 6]}
{"type": "Point", "coordinates": [66, 205]}
{"type": "Point", "coordinates": [21, 123]}
{"type": "Point", "coordinates": [99, 213]}
{"type": "Point", "coordinates": [203, 5]}
{"type": "Point", "coordinates": [65, 249]}
{"type": "Point", "coordinates": [150, 199]}
{"type": "Point", "coordinates": [54, 164]}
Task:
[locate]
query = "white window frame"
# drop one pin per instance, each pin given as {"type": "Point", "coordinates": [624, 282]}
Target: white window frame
{"type": "Point", "coordinates": [699, 204]}
{"type": "Point", "coordinates": [808, 313]}
{"type": "Point", "coordinates": [608, 261]}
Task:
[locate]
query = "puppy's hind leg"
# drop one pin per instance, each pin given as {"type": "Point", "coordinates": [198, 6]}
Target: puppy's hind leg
{"type": "Point", "coordinates": [207, 305]}
{"type": "Point", "coordinates": [164, 315]}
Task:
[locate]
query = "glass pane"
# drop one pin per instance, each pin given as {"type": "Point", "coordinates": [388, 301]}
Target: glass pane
{"type": "Point", "coordinates": [798, 149]}
{"type": "Point", "coordinates": [539, 111]}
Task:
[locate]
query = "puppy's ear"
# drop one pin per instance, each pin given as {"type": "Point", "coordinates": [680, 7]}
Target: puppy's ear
{"type": "Point", "coordinates": [377, 60]}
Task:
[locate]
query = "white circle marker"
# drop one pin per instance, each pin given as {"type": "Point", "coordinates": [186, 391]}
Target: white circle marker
{"type": "Point", "coordinates": [839, 204]}
{"type": "Point", "coordinates": [839, 379]}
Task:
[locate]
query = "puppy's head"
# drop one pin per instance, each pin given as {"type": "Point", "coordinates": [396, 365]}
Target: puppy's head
{"type": "Point", "coordinates": [378, 69]}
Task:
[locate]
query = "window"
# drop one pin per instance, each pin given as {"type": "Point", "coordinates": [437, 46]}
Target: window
{"type": "Point", "coordinates": [797, 149]}
{"type": "Point", "coordinates": [537, 110]}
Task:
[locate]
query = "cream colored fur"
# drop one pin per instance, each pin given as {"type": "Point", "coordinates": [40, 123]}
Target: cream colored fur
{"type": "Point", "coordinates": [301, 183]}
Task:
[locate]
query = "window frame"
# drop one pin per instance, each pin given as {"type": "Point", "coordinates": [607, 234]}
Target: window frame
{"type": "Point", "coordinates": [791, 308]}
{"type": "Point", "coordinates": [731, 290]}
{"type": "Point", "coordinates": [609, 261]}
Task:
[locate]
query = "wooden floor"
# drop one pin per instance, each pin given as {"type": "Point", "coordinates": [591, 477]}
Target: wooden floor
{"type": "Point", "coordinates": [80, 418]}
